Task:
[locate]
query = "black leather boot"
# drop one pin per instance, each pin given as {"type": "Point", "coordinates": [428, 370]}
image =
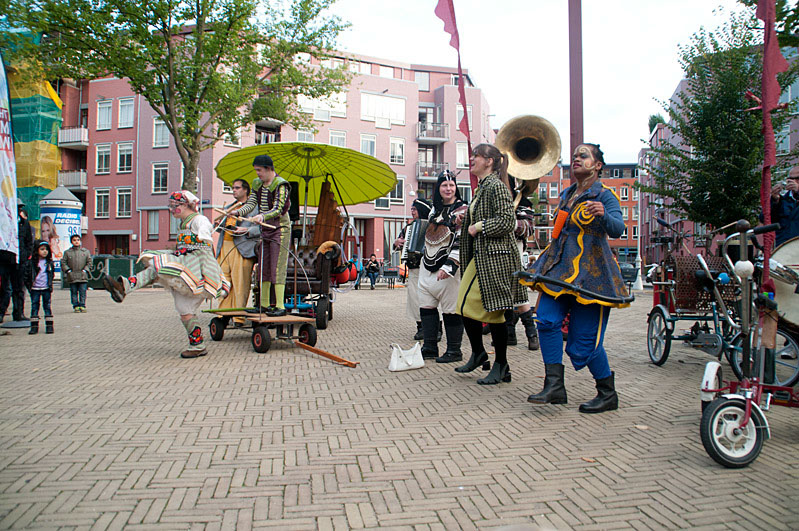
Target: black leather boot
{"type": "Point", "coordinates": [429, 331]}
{"type": "Point", "coordinates": [48, 326]}
{"type": "Point", "coordinates": [606, 398]}
{"type": "Point", "coordinates": [554, 391]}
{"type": "Point", "coordinates": [510, 322]}
{"type": "Point", "coordinates": [34, 329]}
{"type": "Point", "coordinates": [454, 327]}
{"type": "Point", "coordinates": [530, 330]}
{"type": "Point", "coordinates": [500, 372]}
{"type": "Point", "coordinates": [419, 333]}
{"type": "Point", "coordinates": [475, 361]}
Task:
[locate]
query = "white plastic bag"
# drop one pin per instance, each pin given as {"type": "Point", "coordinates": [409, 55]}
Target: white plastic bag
{"type": "Point", "coordinates": [405, 360]}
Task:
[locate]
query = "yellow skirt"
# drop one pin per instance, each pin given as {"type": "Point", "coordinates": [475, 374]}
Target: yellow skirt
{"type": "Point", "coordinates": [470, 304]}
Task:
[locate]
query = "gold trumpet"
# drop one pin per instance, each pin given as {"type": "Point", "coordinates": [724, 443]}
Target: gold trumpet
{"type": "Point", "coordinates": [533, 146]}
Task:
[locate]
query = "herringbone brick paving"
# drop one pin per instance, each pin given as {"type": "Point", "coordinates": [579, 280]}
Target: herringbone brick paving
{"type": "Point", "coordinates": [103, 426]}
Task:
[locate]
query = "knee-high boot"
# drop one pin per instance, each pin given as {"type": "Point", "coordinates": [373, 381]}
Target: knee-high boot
{"type": "Point", "coordinates": [606, 398]}
{"type": "Point", "coordinates": [554, 391]}
{"type": "Point", "coordinates": [529, 329]}
{"type": "Point", "coordinates": [430, 332]}
{"type": "Point", "coordinates": [510, 322]}
{"type": "Point", "coordinates": [453, 324]}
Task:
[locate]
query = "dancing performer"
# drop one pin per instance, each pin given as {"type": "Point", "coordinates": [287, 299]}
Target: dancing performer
{"type": "Point", "coordinates": [490, 257]}
{"type": "Point", "coordinates": [580, 255]}
{"type": "Point", "coordinates": [439, 275]}
{"type": "Point", "coordinates": [419, 210]}
{"type": "Point", "coordinates": [235, 253]}
{"type": "Point", "coordinates": [190, 272]}
{"type": "Point", "coordinates": [272, 201]}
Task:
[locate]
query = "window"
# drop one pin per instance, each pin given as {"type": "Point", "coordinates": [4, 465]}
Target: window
{"type": "Point", "coordinates": [394, 197]}
{"type": "Point", "coordinates": [304, 136]}
{"type": "Point", "coordinates": [624, 193]}
{"type": "Point", "coordinates": [553, 190]}
{"type": "Point", "coordinates": [625, 213]}
{"type": "Point", "coordinates": [103, 115]}
{"type": "Point", "coordinates": [160, 134]}
{"type": "Point", "coordinates": [101, 203]}
{"type": "Point", "coordinates": [323, 109]}
{"type": "Point", "coordinates": [616, 172]}
{"type": "Point", "coordinates": [233, 139]}
{"type": "Point", "coordinates": [125, 157]}
{"type": "Point", "coordinates": [103, 159]}
{"type": "Point", "coordinates": [174, 227]}
{"type": "Point", "coordinates": [783, 139]}
{"type": "Point", "coordinates": [461, 155]}
{"type": "Point", "coordinates": [635, 212]}
{"type": "Point", "coordinates": [124, 196]}
{"type": "Point", "coordinates": [623, 234]}
{"type": "Point", "coordinates": [459, 115]}
{"type": "Point", "coordinates": [386, 71]}
{"type": "Point", "coordinates": [397, 151]}
{"type": "Point", "coordinates": [368, 144]}
{"type": "Point", "coordinates": [152, 225]}
{"type": "Point", "coordinates": [542, 191]}
{"type": "Point", "coordinates": [466, 192]}
{"type": "Point", "coordinates": [338, 138]}
{"type": "Point", "coordinates": [125, 118]}
{"type": "Point", "coordinates": [378, 107]}
{"type": "Point", "coordinates": [453, 79]}
{"type": "Point", "coordinates": [635, 232]}
{"type": "Point", "coordinates": [160, 177]}
{"type": "Point", "coordinates": [635, 194]}
{"type": "Point", "coordinates": [423, 80]}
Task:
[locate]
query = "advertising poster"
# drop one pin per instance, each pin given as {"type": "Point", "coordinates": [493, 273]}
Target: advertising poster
{"type": "Point", "coordinates": [57, 225]}
{"type": "Point", "coordinates": [8, 172]}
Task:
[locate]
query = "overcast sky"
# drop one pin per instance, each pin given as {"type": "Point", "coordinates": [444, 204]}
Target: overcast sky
{"type": "Point", "coordinates": [517, 52]}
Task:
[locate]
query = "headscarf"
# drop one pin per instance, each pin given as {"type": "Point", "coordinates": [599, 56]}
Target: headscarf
{"type": "Point", "coordinates": [438, 201]}
{"type": "Point", "coordinates": [422, 207]}
{"type": "Point", "coordinates": [183, 197]}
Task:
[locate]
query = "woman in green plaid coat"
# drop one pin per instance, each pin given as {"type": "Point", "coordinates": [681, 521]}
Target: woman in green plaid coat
{"type": "Point", "coordinates": [489, 258]}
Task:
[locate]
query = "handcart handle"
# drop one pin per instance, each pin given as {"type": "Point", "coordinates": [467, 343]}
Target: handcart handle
{"type": "Point", "coordinates": [534, 278]}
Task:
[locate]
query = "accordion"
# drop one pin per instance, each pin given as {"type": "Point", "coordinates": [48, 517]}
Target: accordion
{"type": "Point", "coordinates": [414, 243]}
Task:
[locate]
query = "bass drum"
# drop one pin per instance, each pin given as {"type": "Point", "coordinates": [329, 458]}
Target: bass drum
{"type": "Point", "coordinates": [787, 255]}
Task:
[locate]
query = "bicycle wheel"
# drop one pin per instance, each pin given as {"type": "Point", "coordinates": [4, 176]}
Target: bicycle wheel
{"type": "Point", "coordinates": [724, 439]}
{"type": "Point", "coordinates": [786, 371]}
{"type": "Point", "coordinates": [658, 337]}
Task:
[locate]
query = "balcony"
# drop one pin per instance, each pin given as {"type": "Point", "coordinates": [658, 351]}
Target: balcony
{"type": "Point", "coordinates": [73, 179]}
{"type": "Point", "coordinates": [432, 133]}
{"type": "Point", "coordinates": [74, 138]}
{"type": "Point", "coordinates": [428, 171]}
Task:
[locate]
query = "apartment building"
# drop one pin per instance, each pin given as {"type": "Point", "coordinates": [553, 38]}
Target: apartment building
{"type": "Point", "coordinates": [120, 161]}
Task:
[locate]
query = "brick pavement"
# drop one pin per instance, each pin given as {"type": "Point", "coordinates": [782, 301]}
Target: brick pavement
{"type": "Point", "coordinates": [102, 425]}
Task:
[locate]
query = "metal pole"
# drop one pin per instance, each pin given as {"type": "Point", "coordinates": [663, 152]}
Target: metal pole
{"type": "Point", "coordinates": [575, 77]}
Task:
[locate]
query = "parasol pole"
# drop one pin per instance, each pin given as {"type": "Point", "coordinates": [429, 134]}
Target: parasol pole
{"type": "Point", "coordinates": [307, 179]}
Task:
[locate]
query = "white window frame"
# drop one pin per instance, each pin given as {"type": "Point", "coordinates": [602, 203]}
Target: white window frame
{"type": "Point", "coordinates": [106, 194]}
{"type": "Point", "coordinates": [635, 193]}
{"type": "Point", "coordinates": [162, 165]}
{"type": "Point", "coordinates": [625, 213]}
{"type": "Point", "coordinates": [305, 135]}
{"type": "Point", "coordinates": [624, 234]}
{"type": "Point", "coordinates": [635, 232]}
{"type": "Point", "coordinates": [386, 71]}
{"type": "Point", "coordinates": [127, 103]}
{"type": "Point", "coordinates": [104, 151]}
{"type": "Point", "coordinates": [393, 158]}
{"type": "Point", "coordinates": [624, 193]}
{"type": "Point", "coordinates": [542, 191]}
{"type": "Point", "coordinates": [459, 115]}
{"type": "Point", "coordinates": [121, 192]}
{"type": "Point", "coordinates": [231, 141]}
{"type": "Point", "coordinates": [383, 109]}
{"type": "Point", "coordinates": [423, 80]}
{"type": "Point", "coordinates": [461, 155]}
{"type": "Point", "coordinates": [553, 190]}
{"type": "Point", "coordinates": [783, 140]}
{"type": "Point", "coordinates": [338, 138]}
{"type": "Point", "coordinates": [369, 138]}
{"type": "Point", "coordinates": [615, 173]}
{"type": "Point", "coordinates": [153, 223]}
{"type": "Point", "coordinates": [104, 115]}
{"type": "Point", "coordinates": [158, 141]}
{"type": "Point", "coordinates": [635, 212]}
{"type": "Point", "coordinates": [120, 147]}
{"type": "Point", "coordinates": [466, 192]}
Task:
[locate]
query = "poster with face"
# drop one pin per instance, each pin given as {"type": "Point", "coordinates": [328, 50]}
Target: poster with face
{"type": "Point", "coordinates": [58, 224]}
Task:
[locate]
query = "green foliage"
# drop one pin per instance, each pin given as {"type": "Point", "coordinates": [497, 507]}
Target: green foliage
{"type": "Point", "coordinates": [710, 166]}
{"type": "Point", "coordinates": [655, 119]}
{"type": "Point", "coordinates": [787, 20]}
{"type": "Point", "coordinates": [207, 67]}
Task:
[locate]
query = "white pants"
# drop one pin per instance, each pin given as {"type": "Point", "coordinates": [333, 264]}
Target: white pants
{"type": "Point", "coordinates": [442, 294]}
{"type": "Point", "coordinates": [413, 295]}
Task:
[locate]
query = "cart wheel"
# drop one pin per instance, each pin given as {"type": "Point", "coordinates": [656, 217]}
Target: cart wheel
{"type": "Point", "coordinates": [786, 371]}
{"type": "Point", "coordinates": [658, 337]}
{"type": "Point", "coordinates": [261, 340]}
{"type": "Point", "coordinates": [723, 439]}
{"type": "Point", "coordinates": [217, 328]}
{"type": "Point", "coordinates": [321, 310]}
{"type": "Point", "coordinates": [307, 334]}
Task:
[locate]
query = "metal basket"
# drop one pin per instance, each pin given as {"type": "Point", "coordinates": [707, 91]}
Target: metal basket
{"type": "Point", "coordinates": [688, 292]}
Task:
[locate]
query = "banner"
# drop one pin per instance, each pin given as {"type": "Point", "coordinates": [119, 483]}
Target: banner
{"type": "Point", "coordinates": [9, 240]}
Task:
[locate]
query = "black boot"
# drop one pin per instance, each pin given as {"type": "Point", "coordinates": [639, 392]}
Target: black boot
{"type": "Point", "coordinates": [454, 326]}
{"type": "Point", "coordinates": [48, 326]}
{"type": "Point", "coordinates": [510, 322]}
{"type": "Point", "coordinates": [429, 332]}
{"type": "Point", "coordinates": [475, 361]}
{"type": "Point", "coordinates": [34, 326]}
{"type": "Point", "coordinates": [606, 398]}
{"type": "Point", "coordinates": [419, 334]}
{"type": "Point", "coordinates": [529, 330]}
{"type": "Point", "coordinates": [554, 391]}
{"type": "Point", "coordinates": [500, 372]}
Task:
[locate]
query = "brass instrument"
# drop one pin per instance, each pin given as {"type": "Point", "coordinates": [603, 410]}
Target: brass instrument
{"type": "Point", "coordinates": [533, 147]}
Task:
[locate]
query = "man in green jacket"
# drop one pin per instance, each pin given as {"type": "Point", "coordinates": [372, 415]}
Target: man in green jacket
{"type": "Point", "coordinates": [75, 265]}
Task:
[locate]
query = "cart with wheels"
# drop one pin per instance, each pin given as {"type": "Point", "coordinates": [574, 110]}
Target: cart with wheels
{"type": "Point", "coordinates": [287, 327]}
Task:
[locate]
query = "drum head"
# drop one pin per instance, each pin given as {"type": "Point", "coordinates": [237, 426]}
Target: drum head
{"type": "Point", "coordinates": [787, 254]}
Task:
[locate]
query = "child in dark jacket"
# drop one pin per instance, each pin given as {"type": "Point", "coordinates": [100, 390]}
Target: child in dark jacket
{"type": "Point", "coordinates": [39, 282]}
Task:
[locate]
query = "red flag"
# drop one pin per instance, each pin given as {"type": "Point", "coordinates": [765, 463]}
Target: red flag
{"type": "Point", "coordinates": [445, 10]}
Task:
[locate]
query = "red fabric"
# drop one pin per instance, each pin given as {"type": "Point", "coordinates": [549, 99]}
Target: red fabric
{"type": "Point", "coordinates": [445, 10]}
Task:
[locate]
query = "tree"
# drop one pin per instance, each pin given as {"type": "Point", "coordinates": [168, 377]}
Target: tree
{"type": "Point", "coordinates": [207, 67]}
{"type": "Point", "coordinates": [787, 20]}
{"type": "Point", "coordinates": [710, 165]}
{"type": "Point", "coordinates": [654, 120]}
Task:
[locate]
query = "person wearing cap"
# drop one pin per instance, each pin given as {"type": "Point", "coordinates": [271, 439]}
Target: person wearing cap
{"type": "Point", "coordinates": [190, 272]}
{"type": "Point", "coordinates": [440, 275]}
{"type": "Point", "coordinates": [785, 207]}
{"type": "Point", "coordinates": [39, 275]}
{"type": "Point", "coordinates": [271, 200]}
{"type": "Point", "coordinates": [420, 210]}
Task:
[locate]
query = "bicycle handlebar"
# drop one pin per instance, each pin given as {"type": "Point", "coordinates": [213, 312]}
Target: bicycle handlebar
{"type": "Point", "coordinates": [765, 228]}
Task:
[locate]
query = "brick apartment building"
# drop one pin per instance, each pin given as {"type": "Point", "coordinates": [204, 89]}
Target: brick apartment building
{"type": "Point", "coordinates": [120, 161]}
